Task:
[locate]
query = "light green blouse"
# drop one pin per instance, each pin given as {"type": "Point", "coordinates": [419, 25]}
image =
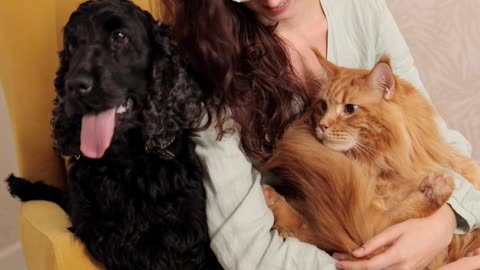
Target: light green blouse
{"type": "Point", "coordinates": [359, 32]}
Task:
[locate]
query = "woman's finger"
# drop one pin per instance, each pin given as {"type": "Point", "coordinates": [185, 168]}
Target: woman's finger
{"type": "Point", "coordinates": [378, 262]}
{"type": "Point", "coordinates": [382, 239]}
{"type": "Point", "coordinates": [343, 257]}
{"type": "Point", "coordinates": [474, 252]}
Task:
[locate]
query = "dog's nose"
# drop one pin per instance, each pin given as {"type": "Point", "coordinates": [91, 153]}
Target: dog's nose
{"type": "Point", "coordinates": [81, 85]}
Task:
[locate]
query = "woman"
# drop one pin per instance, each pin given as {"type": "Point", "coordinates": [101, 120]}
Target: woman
{"type": "Point", "coordinates": [251, 58]}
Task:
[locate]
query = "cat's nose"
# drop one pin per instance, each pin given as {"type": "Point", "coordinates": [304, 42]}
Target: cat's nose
{"type": "Point", "coordinates": [323, 127]}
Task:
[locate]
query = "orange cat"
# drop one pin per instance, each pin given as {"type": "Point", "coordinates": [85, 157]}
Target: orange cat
{"type": "Point", "coordinates": [381, 161]}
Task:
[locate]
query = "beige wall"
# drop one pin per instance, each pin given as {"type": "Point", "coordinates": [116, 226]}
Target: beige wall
{"type": "Point", "coordinates": [444, 37]}
{"type": "Point", "coordinates": [8, 163]}
{"type": "Point", "coordinates": [10, 252]}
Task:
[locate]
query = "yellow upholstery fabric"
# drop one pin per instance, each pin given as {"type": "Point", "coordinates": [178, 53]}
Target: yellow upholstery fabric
{"type": "Point", "coordinates": [47, 244]}
{"type": "Point", "coordinates": [30, 38]}
{"type": "Point", "coordinates": [28, 53]}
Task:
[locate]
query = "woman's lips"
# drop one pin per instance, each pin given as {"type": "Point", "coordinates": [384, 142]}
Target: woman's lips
{"type": "Point", "coordinates": [278, 9]}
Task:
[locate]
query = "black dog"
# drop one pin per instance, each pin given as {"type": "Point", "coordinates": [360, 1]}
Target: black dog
{"type": "Point", "coordinates": [124, 108]}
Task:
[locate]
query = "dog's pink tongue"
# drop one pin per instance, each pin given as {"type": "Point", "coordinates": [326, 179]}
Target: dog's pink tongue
{"type": "Point", "coordinates": [97, 132]}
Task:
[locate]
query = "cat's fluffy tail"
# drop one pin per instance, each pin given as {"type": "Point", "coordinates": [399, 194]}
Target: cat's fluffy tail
{"type": "Point", "coordinates": [29, 191]}
{"type": "Point", "coordinates": [336, 196]}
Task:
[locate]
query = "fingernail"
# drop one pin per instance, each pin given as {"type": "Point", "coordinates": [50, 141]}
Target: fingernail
{"type": "Point", "coordinates": [339, 266]}
{"type": "Point", "coordinates": [359, 251]}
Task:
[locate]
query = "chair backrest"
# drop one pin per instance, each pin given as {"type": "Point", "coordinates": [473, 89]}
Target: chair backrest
{"type": "Point", "coordinates": [30, 38]}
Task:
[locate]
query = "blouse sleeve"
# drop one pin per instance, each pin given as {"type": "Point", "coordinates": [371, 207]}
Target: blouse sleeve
{"type": "Point", "coordinates": [465, 199]}
{"type": "Point", "coordinates": [238, 219]}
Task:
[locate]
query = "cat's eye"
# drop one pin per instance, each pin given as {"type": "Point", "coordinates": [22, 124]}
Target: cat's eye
{"type": "Point", "coordinates": [323, 105]}
{"type": "Point", "coordinates": [120, 37]}
{"type": "Point", "coordinates": [350, 108]}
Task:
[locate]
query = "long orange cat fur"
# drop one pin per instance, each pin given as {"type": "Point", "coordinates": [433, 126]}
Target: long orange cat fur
{"type": "Point", "coordinates": [368, 155]}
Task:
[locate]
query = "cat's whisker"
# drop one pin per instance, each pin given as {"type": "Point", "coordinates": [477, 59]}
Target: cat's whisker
{"type": "Point", "coordinates": [369, 151]}
{"type": "Point", "coordinates": [363, 151]}
{"type": "Point", "coordinates": [369, 147]}
{"type": "Point", "coordinates": [363, 148]}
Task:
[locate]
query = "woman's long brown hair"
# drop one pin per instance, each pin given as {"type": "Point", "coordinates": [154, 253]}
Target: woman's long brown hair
{"type": "Point", "coordinates": [241, 65]}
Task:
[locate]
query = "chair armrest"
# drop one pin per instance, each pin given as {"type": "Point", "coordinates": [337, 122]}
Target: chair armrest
{"type": "Point", "coordinates": [47, 243]}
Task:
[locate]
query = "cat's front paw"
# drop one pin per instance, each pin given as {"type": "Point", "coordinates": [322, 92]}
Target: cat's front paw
{"type": "Point", "coordinates": [283, 232]}
{"type": "Point", "coordinates": [438, 188]}
{"type": "Point", "coordinates": [272, 198]}
{"type": "Point", "coordinates": [288, 222]}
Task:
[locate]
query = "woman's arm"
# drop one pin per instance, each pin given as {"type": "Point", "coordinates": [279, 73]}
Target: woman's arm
{"type": "Point", "coordinates": [239, 220]}
{"type": "Point", "coordinates": [466, 199]}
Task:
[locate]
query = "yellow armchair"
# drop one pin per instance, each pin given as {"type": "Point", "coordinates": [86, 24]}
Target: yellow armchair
{"type": "Point", "coordinates": [30, 38]}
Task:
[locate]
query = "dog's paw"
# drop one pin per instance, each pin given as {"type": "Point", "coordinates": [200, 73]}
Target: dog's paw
{"type": "Point", "coordinates": [437, 188]}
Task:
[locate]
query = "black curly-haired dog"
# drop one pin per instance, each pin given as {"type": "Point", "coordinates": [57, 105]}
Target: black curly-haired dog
{"type": "Point", "coordinates": [124, 109]}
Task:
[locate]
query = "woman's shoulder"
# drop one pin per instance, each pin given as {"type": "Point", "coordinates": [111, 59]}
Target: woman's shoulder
{"type": "Point", "coordinates": [209, 132]}
{"type": "Point", "coordinates": [355, 27]}
{"type": "Point", "coordinates": [366, 9]}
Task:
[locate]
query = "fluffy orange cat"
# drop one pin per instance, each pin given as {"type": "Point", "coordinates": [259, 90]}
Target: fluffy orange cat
{"type": "Point", "coordinates": [381, 161]}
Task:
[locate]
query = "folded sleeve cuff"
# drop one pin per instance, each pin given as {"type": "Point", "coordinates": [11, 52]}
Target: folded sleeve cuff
{"type": "Point", "coordinates": [465, 201]}
{"type": "Point", "coordinates": [465, 220]}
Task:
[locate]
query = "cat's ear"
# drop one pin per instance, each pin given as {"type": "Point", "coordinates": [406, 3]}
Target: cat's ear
{"type": "Point", "coordinates": [330, 70]}
{"type": "Point", "coordinates": [381, 78]}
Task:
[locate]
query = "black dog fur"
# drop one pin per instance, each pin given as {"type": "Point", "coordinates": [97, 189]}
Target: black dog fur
{"type": "Point", "coordinates": [141, 205]}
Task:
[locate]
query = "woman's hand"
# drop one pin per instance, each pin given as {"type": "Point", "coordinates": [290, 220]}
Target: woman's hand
{"type": "Point", "coordinates": [414, 244]}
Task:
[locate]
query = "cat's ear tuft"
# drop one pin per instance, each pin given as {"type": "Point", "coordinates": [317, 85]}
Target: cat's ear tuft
{"type": "Point", "coordinates": [381, 78]}
{"type": "Point", "coordinates": [330, 69]}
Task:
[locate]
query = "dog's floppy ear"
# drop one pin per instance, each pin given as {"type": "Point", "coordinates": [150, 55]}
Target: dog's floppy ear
{"type": "Point", "coordinates": [174, 101]}
{"type": "Point", "coordinates": [65, 129]}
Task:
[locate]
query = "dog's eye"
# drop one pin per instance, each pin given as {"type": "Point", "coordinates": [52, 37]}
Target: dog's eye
{"type": "Point", "coordinates": [71, 45]}
{"type": "Point", "coordinates": [119, 37]}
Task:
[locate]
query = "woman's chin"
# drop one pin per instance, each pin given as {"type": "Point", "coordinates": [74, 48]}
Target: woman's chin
{"type": "Point", "coordinates": [278, 13]}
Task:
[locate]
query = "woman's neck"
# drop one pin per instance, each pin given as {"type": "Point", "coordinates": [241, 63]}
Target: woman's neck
{"type": "Point", "coordinates": [306, 29]}
{"type": "Point", "coordinates": [308, 13]}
